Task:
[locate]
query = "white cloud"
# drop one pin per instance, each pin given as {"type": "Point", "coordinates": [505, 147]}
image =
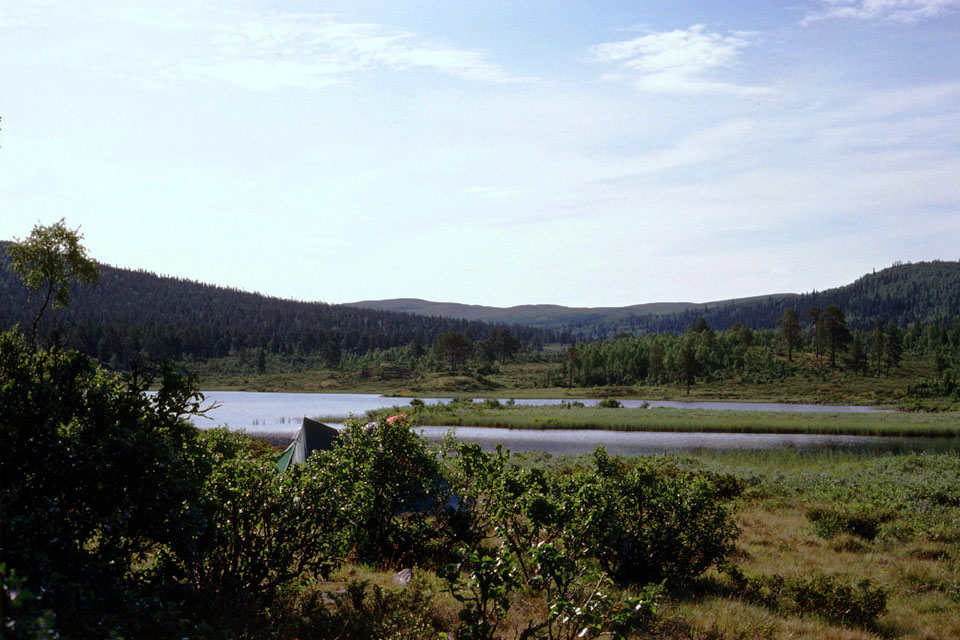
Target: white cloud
{"type": "Point", "coordinates": [895, 10]}
{"type": "Point", "coordinates": [256, 50]}
{"type": "Point", "coordinates": [313, 51]}
{"type": "Point", "coordinates": [679, 61]}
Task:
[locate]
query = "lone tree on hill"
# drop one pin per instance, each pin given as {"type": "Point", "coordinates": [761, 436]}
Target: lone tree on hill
{"type": "Point", "coordinates": [48, 261]}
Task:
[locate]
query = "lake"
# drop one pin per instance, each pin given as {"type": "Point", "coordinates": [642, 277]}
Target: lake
{"type": "Point", "coordinates": [281, 413]}
{"type": "Point", "coordinates": [259, 411]}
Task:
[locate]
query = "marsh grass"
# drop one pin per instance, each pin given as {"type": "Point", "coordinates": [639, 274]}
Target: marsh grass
{"type": "Point", "coordinates": [688, 420]}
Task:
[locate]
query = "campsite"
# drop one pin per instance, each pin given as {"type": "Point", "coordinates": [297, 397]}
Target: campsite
{"type": "Point", "coordinates": [409, 320]}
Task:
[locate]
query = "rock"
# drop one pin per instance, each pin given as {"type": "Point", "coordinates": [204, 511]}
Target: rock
{"type": "Point", "coordinates": [403, 578]}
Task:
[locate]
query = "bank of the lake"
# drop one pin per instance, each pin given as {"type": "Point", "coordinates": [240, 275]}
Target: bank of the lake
{"type": "Point", "coordinates": [522, 380]}
{"type": "Point", "coordinates": [688, 420]}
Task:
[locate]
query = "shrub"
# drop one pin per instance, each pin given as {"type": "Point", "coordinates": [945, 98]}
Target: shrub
{"type": "Point", "coordinates": [259, 530]}
{"type": "Point", "coordinates": [97, 477]}
{"type": "Point", "coordinates": [835, 601]}
{"type": "Point", "coordinates": [830, 521]}
{"type": "Point", "coordinates": [827, 597]}
{"type": "Point", "coordinates": [609, 403]}
{"type": "Point", "coordinates": [385, 476]}
{"type": "Point", "coordinates": [362, 610]}
{"type": "Point", "coordinates": [655, 524]}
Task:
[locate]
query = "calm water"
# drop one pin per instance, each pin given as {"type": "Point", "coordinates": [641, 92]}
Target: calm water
{"type": "Point", "coordinates": [254, 411]}
{"type": "Point", "coordinates": [280, 413]}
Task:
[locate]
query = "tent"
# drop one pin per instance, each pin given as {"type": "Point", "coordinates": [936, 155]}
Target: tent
{"type": "Point", "coordinates": [312, 436]}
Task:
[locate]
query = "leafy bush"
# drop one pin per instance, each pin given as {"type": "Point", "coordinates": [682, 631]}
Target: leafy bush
{"type": "Point", "coordinates": [827, 597]}
{"type": "Point", "coordinates": [834, 601]}
{"type": "Point", "coordinates": [384, 475]}
{"type": "Point", "coordinates": [362, 610]}
{"type": "Point", "coordinates": [98, 477]}
{"type": "Point", "coordinates": [655, 523]}
{"type": "Point", "coordinates": [830, 521]}
{"type": "Point", "coordinates": [259, 531]}
{"type": "Point", "coordinates": [609, 403]}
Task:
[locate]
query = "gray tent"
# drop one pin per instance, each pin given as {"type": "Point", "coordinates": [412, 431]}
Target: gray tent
{"type": "Point", "coordinates": [312, 436]}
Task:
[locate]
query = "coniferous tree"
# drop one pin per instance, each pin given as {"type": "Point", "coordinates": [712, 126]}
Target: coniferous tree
{"type": "Point", "coordinates": [688, 367]}
{"type": "Point", "coordinates": [893, 348]}
{"type": "Point", "coordinates": [816, 317]}
{"type": "Point", "coordinates": [857, 358]}
{"type": "Point", "coordinates": [790, 330]}
{"type": "Point", "coordinates": [879, 346]}
{"type": "Point", "coordinates": [835, 329]}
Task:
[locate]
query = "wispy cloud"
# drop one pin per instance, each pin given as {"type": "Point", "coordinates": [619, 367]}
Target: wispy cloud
{"type": "Point", "coordinates": [312, 51]}
{"type": "Point", "coordinates": [253, 49]}
{"type": "Point", "coordinates": [679, 61]}
{"type": "Point", "coordinates": [895, 10]}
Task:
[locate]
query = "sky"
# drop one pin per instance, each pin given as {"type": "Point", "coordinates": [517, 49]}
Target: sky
{"type": "Point", "coordinates": [591, 153]}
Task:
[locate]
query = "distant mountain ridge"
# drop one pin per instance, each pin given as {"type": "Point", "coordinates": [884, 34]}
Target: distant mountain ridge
{"type": "Point", "coordinates": [533, 315]}
{"type": "Point", "coordinates": [918, 292]}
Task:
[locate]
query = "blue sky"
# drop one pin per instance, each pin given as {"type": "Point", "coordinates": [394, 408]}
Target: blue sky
{"type": "Point", "coordinates": [577, 153]}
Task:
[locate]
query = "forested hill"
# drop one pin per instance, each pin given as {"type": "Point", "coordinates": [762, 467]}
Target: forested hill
{"type": "Point", "coordinates": [927, 292]}
{"type": "Point", "coordinates": [924, 292]}
{"type": "Point", "coordinates": [550, 316]}
{"type": "Point", "coordinates": [139, 312]}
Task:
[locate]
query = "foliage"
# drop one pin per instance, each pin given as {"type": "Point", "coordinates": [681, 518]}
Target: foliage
{"type": "Point", "coordinates": [259, 529]}
{"type": "Point", "coordinates": [97, 478]}
{"type": "Point", "coordinates": [658, 524]}
{"type": "Point", "coordinates": [564, 535]}
{"type": "Point", "coordinates": [830, 521]}
{"type": "Point", "coordinates": [122, 518]}
{"type": "Point", "coordinates": [828, 597]}
{"type": "Point", "coordinates": [390, 483]}
{"type": "Point", "coordinates": [361, 610]}
{"type": "Point", "coordinates": [790, 330]}
{"type": "Point", "coordinates": [484, 593]}
{"type": "Point", "coordinates": [136, 314]}
{"type": "Point", "coordinates": [48, 262]}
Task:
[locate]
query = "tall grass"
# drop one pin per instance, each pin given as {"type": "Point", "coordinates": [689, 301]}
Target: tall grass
{"type": "Point", "coordinates": [690, 420]}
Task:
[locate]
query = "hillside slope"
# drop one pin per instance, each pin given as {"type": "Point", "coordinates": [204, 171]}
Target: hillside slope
{"type": "Point", "coordinates": [140, 312]}
{"type": "Point", "coordinates": [534, 315]}
{"type": "Point", "coordinates": [922, 292]}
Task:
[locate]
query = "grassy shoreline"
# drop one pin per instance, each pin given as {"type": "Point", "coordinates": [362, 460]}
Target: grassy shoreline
{"type": "Point", "coordinates": [684, 420]}
{"type": "Point", "coordinates": [523, 380]}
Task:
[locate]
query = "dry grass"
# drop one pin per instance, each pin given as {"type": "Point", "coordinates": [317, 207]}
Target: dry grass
{"type": "Point", "coordinates": [779, 539]}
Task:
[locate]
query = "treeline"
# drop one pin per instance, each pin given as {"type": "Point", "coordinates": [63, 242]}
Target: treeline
{"type": "Point", "coordinates": [806, 346]}
{"type": "Point", "coordinates": [906, 294]}
{"type": "Point", "coordinates": [137, 314]}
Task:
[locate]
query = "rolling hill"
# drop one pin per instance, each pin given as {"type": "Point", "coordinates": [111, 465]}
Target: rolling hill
{"type": "Point", "coordinates": [925, 292]}
{"type": "Point", "coordinates": [137, 312]}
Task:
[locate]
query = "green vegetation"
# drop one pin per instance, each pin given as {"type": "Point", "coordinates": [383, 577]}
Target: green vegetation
{"type": "Point", "coordinates": [120, 518]}
{"type": "Point", "coordinates": [569, 416]}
